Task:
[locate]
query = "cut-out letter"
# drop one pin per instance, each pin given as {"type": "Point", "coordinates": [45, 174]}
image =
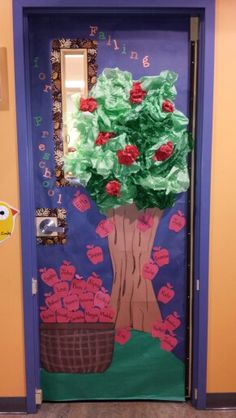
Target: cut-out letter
{"type": "Point", "coordinates": [46, 184]}
{"type": "Point", "coordinates": [146, 62]}
{"type": "Point", "coordinates": [42, 164]}
{"type": "Point", "coordinates": [101, 36]}
{"type": "Point", "coordinates": [93, 30]}
{"type": "Point", "coordinates": [46, 88]}
{"type": "Point", "coordinates": [46, 156]}
{"type": "Point", "coordinates": [134, 55]}
{"type": "Point", "coordinates": [109, 40]}
{"type": "Point", "coordinates": [115, 44]}
{"type": "Point", "coordinates": [38, 120]}
{"type": "Point", "coordinates": [36, 60]}
{"type": "Point", "coordinates": [42, 147]}
{"type": "Point", "coordinates": [123, 51]}
{"type": "Point", "coordinates": [44, 134]}
{"type": "Point", "coordinates": [42, 76]}
{"type": "Point", "coordinates": [47, 173]}
{"type": "Point", "coordinates": [59, 199]}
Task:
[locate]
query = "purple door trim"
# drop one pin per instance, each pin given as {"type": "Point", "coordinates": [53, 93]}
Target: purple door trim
{"type": "Point", "coordinates": [205, 9]}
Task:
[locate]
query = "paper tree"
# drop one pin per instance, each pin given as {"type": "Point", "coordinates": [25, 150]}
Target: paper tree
{"type": "Point", "coordinates": [132, 158]}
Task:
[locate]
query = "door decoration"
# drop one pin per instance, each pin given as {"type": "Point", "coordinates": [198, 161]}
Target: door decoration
{"type": "Point", "coordinates": [132, 157]}
{"type": "Point", "coordinates": [107, 334]}
{"type": "Point", "coordinates": [75, 315]}
{"type": "Point", "coordinates": [7, 220]}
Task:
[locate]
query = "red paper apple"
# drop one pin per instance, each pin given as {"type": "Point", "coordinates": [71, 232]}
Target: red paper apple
{"type": "Point", "coordinates": [177, 222]}
{"type": "Point", "coordinates": [158, 329]}
{"type": "Point", "coordinates": [102, 299]}
{"type": "Point", "coordinates": [61, 289]}
{"type": "Point", "coordinates": [168, 342]}
{"type": "Point", "coordinates": [67, 271]}
{"type": "Point", "coordinates": [150, 270]}
{"type": "Point", "coordinates": [145, 222]}
{"type": "Point", "coordinates": [78, 286]}
{"type": "Point", "coordinates": [172, 321]}
{"type": "Point", "coordinates": [166, 293]}
{"type": "Point", "coordinates": [161, 256]}
{"type": "Point", "coordinates": [122, 336]}
{"type": "Point", "coordinates": [63, 315]}
{"type": "Point", "coordinates": [53, 302]}
{"type": "Point", "coordinates": [77, 316]}
{"type": "Point", "coordinates": [81, 202]}
{"type": "Point", "coordinates": [95, 254]}
{"type": "Point", "coordinates": [107, 315]}
{"type": "Point", "coordinates": [93, 283]}
{"type": "Point", "coordinates": [49, 276]}
{"type": "Point", "coordinates": [71, 302]}
{"type": "Point", "coordinates": [47, 315]}
{"type": "Point", "coordinates": [104, 228]}
{"type": "Point", "coordinates": [86, 300]}
{"type": "Point", "coordinates": [92, 314]}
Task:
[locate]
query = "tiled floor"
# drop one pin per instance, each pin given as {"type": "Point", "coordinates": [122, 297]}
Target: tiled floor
{"type": "Point", "coordinates": [125, 410]}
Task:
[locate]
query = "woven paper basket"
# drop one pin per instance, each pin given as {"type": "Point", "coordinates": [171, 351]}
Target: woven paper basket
{"type": "Point", "coordinates": [76, 348]}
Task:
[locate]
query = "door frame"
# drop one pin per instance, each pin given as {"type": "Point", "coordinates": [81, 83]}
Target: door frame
{"type": "Point", "coordinates": [205, 9]}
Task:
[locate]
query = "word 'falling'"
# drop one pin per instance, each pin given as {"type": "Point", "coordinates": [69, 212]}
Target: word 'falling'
{"type": "Point", "coordinates": [114, 42]}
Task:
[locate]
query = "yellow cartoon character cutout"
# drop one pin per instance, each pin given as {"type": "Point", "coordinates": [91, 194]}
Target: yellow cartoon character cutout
{"type": "Point", "coordinates": [7, 220]}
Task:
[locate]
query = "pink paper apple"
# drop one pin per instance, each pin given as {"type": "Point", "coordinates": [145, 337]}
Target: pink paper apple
{"type": "Point", "coordinates": [158, 329]}
{"type": "Point", "coordinates": [78, 286]}
{"type": "Point", "coordinates": [168, 342]}
{"type": "Point", "coordinates": [166, 293]}
{"type": "Point", "coordinates": [92, 314]}
{"type": "Point", "coordinates": [81, 202]}
{"type": "Point", "coordinates": [86, 300]}
{"type": "Point", "coordinates": [63, 315]}
{"type": "Point", "coordinates": [53, 302]}
{"type": "Point", "coordinates": [77, 316]}
{"type": "Point", "coordinates": [122, 336]}
{"type": "Point", "coordinates": [177, 222]}
{"type": "Point", "coordinates": [49, 276]}
{"type": "Point", "coordinates": [93, 283]}
{"type": "Point", "coordinates": [150, 270]}
{"type": "Point", "coordinates": [95, 254]}
{"type": "Point", "coordinates": [107, 315]}
{"type": "Point", "coordinates": [145, 222]}
{"type": "Point", "coordinates": [102, 299]}
{"type": "Point", "coordinates": [47, 315]}
{"type": "Point", "coordinates": [172, 321]}
{"type": "Point", "coordinates": [104, 228]}
{"type": "Point", "coordinates": [61, 289]}
{"type": "Point", "coordinates": [67, 271]}
{"type": "Point", "coordinates": [161, 256]}
{"type": "Point", "coordinates": [71, 302]}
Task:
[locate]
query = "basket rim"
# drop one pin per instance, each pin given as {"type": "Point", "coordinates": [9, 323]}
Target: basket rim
{"type": "Point", "coordinates": [102, 326]}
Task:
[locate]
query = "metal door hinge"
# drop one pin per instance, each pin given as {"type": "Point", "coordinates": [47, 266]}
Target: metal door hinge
{"type": "Point", "coordinates": [195, 393]}
{"type": "Point", "coordinates": [194, 32]}
{"type": "Point", "coordinates": [34, 286]}
{"type": "Point", "coordinates": [38, 396]}
{"type": "Point", "coordinates": [198, 285]}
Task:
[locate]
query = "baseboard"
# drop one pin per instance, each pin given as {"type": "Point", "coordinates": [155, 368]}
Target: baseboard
{"type": "Point", "coordinates": [221, 400]}
{"type": "Point", "coordinates": [9, 404]}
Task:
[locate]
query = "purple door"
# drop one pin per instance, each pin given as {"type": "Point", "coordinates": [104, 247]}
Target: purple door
{"type": "Point", "coordinates": [102, 336]}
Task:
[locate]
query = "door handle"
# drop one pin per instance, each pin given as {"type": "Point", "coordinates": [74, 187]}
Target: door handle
{"type": "Point", "coordinates": [47, 227]}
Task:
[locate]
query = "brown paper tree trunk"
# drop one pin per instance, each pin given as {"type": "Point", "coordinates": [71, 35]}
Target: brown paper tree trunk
{"type": "Point", "coordinates": [132, 296]}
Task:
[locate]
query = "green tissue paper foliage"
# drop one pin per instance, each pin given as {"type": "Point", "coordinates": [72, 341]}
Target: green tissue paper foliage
{"type": "Point", "coordinates": [146, 182]}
